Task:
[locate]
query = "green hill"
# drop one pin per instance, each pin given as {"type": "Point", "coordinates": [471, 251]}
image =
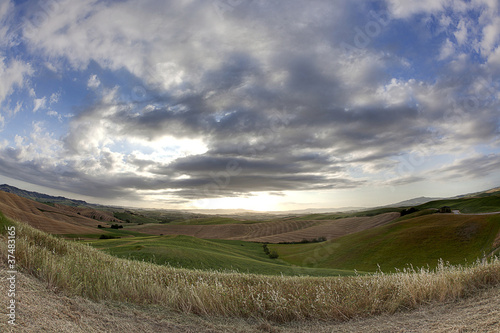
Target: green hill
{"type": "Point", "coordinates": [419, 241]}
{"type": "Point", "coordinates": [195, 253]}
{"type": "Point", "coordinates": [482, 204]}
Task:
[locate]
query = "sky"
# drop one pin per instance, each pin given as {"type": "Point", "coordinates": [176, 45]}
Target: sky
{"type": "Point", "coordinates": [253, 104]}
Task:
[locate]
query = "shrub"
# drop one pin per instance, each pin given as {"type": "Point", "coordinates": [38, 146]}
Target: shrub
{"type": "Point", "coordinates": [408, 211]}
{"type": "Point", "coordinates": [273, 255]}
{"type": "Point", "coordinates": [107, 237]}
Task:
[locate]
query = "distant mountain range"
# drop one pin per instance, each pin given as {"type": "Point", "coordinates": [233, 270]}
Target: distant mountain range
{"type": "Point", "coordinates": [45, 198]}
{"type": "Point", "coordinates": [413, 202]}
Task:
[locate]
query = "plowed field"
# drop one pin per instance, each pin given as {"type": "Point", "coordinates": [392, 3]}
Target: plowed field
{"type": "Point", "coordinates": [273, 232]}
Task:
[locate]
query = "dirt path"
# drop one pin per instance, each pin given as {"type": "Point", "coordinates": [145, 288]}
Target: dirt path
{"type": "Point", "coordinates": [42, 310]}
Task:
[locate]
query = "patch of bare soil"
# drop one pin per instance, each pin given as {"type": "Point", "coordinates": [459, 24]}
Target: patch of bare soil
{"type": "Point", "coordinates": [40, 309]}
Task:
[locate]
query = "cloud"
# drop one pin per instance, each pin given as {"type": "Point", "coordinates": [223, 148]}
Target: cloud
{"type": "Point", "coordinates": [12, 74]}
{"type": "Point", "coordinates": [39, 103]}
{"type": "Point", "coordinates": [447, 50]}
{"type": "Point", "coordinates": [6, 11]}
{"type": "Point", "coordinates": [54, 98]}
{"type": "Point", "coordinates": [462, 32]}
{"type": "Point", "coordinates": [474, 167]}
{"type": "Point", "coordinates": [264, 88]}
{"type": "Point", "coordinates": [405, 9]}
{"type": "Point", "coordinates": [93, 82]}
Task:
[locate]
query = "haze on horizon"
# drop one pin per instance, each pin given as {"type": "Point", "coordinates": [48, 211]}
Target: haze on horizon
{"type": "Point", "coordinates": [250, 104]}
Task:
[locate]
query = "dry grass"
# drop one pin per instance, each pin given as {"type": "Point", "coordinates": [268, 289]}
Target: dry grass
{"type": "Point", "coordinates": [41, 309]}
{"type": "Point", "coordinates": [80, 270]}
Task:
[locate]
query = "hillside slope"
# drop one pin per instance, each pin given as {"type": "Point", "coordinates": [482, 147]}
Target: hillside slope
{"type": "Point", "coordinates": [418, 241]}
{"type": "Point", "coordinates": [483, 203]}
{"type": "Point", "coordinates": [41, 197]}
{"type": "Point", "coordinates": [55, 220]}
{"type": "Point", "coordinates": [330, 229]}
{"type": "Point", "coordinates": [205, 254]}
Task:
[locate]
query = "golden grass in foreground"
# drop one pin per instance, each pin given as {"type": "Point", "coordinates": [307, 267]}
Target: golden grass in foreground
{"type": "Point", "coordinates": [80, 270]}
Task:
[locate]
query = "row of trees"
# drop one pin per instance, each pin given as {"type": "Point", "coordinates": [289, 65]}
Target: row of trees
{"type": "Point", "coordinates": [272, 254]}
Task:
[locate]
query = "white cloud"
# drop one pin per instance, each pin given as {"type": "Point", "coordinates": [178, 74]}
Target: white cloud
{"type": "Point", "coordinates": [54, 98]}
{"type": "Point", "coordinates": [494, 60]}
{"type": "Point", "coordinates": [447, 50]}
{"type": "Point", "coordinates": [39, 103]}
{"type": "Point", "coordinates": [461, 33]}
{"type": "Point", "coordinates": [5, 13]}
{"type": "Point", "coordinates": [52, 113]}
{"type": "Point", "coordinates": [405, 8]}
{"type": "Point", "coordinates": [12, 75]}
{"type": "Point", "coordinates": [93, 82]}
{"type": "Point", "coordinates": [491, 36]}
{"type": "Point", "coordinates": [39, 147]}
{"type": "Point", "coordinates": [13, 112]}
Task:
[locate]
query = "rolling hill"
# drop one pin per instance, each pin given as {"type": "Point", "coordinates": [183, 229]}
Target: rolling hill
{"type": "Point", "coordinates": [420, 241]}
{"type": "Point", "coordinates": [482, 203]}
{"type": "Point", "coordinates": [286, 230]}
{"type": "Point", "coordinates": [41, 197]}
{"type": "Point", "coordinates": [56, 219]}
{"type": "Point", "coordinates": [206, 254]}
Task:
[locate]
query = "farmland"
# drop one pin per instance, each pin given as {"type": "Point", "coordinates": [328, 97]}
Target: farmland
{"type": "Point", "coordinates": [327, 266]}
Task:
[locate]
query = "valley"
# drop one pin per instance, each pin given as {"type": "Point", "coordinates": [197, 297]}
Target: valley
{"type": "Point", "coordinates": [286, 271]}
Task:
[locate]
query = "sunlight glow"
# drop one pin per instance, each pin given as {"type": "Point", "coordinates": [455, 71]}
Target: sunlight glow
{"type": "Point", "coordinates": [258, 201]}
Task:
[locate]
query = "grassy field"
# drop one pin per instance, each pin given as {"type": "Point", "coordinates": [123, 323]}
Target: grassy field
{"type": "Point", "coordinates": [340, 215]}
{"type": "Point", "coordinates": [419, 241]}
{"type": "Point", "coordinates": [490, 203]}
{"type": "Point", "coordinates": [213, 220]}
{"type": "Point", "coordinates": [195, 253]}
{"type": "Point", "coordinates": [79, 269]}
{"type": "Point", "coordinates": [117, 233]}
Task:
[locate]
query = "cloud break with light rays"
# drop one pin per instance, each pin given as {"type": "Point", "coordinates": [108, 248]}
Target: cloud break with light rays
{"type": "Point", "coordinates": [251, 104]}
